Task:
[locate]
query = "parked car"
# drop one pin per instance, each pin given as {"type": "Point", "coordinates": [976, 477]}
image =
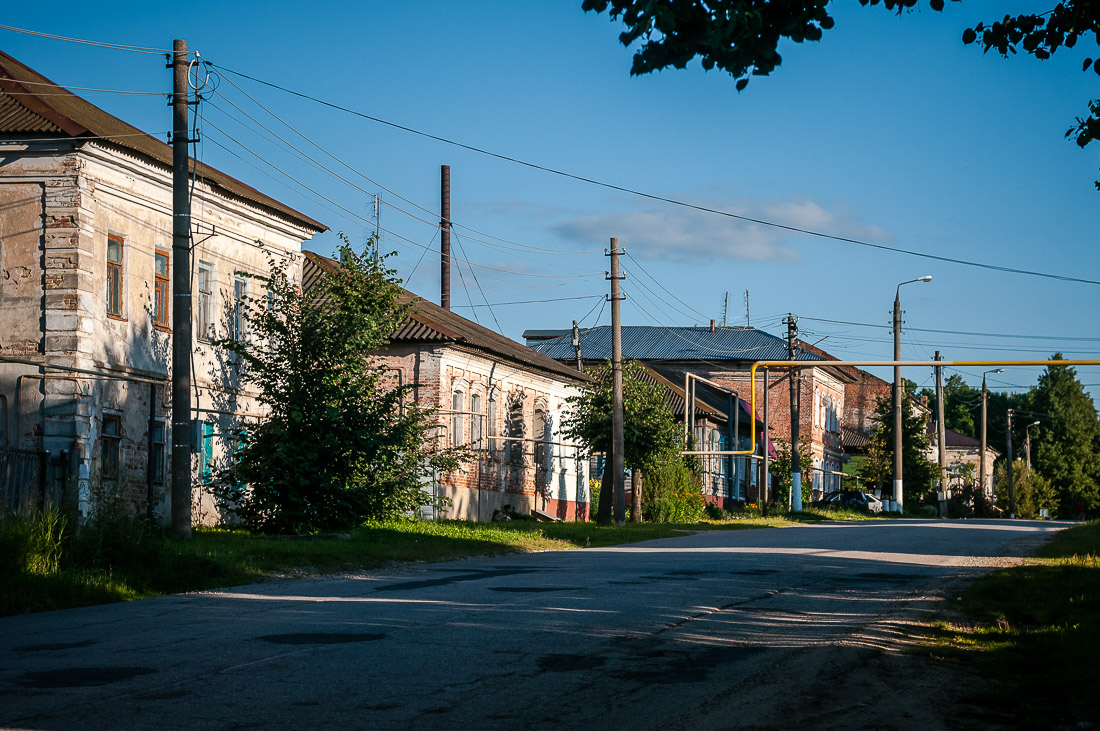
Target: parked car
{"type": "Point", "coordinates": [852, 499]}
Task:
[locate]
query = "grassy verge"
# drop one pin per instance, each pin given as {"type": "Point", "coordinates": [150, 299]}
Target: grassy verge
{"type": "Point", "coordinates": [44, 565]}
{"type": "Point", "coordinates": [1034, 630]}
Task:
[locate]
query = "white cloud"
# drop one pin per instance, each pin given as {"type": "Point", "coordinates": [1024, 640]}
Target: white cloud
{"type": "Point", "coordinates": [667, 231]}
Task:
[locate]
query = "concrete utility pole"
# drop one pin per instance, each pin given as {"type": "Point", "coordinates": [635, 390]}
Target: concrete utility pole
{"type": "Point", "coordinates": [796, 383]}
{"type": "Point", "coordinates": [445, 236]}
{"type": "Point", "coordinates": [1011, 488]}
{"type": "Point", "coordinates": [181, 301]}
{"type": "Point", "coordinates": [617, 389]}
{"type": "Point", "coordinates": [898, 495]}
{"type": "Point", "coordinates": [941, 428]}
{"type": "Point", "coordinates": [1027, 444]}
{"type": "Point", "coordinates": [981, 457]}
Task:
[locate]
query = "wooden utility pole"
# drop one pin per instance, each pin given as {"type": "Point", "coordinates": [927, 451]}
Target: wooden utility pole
{"type": "Point", "coordinates": [796, 379]}
{"type": "Point", "coordinates": [445, 237]}
{"type": "Point", "coordinates": [941, 428]}
{"type": "Point", "coordinates": [577, 347]}
{"type": "Point", "coordinates": [182, 432]}
{"type": "Point", "coordinates": [1011, 487]}
{"type": "Point", "coordinates": [617, 440]}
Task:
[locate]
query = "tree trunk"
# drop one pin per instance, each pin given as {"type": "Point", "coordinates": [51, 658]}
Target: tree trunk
{"type": "Point", "coordinates": [603, 511]}
{"type": "Point", "coordinates": [636, 497]}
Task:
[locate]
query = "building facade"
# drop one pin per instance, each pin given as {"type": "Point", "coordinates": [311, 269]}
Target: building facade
{"type": "Point", "coordinates": [85, 300]}
{"type": "Point", "coordinates": [500, 399]}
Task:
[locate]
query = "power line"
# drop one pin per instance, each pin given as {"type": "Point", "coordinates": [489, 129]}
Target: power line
{"type": "Point", "coordinates": [355, 215]}
{"type": "Point", "coordinates": [685, 304]}
{"type": "Point", "coordinates": [959, 332]}
{"type": "Point", "coordinates": [380, 185]}
{"type": "Point", "coordinates": [663, 199]}
{"type": "Point", "coordinates": [483, 297]}
{"type": "Point", "coordinates": [101, 44]}
{"type": "Point", "coordinates": [532, 302]}
{"type": "Point", "coordinates": [82, 88]}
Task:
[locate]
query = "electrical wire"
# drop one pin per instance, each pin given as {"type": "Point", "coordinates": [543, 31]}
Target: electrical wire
{"type": "Point", "coordinates": [646, 272]}
{"type": "Point", "coordinates": [100, 44]}
{"type": "Point", "coordinates": [392, 192]}
{"type": "Point", "coordinates": [959, 332]}
{"type": "Point", "coordinates": [424, 253]}
{"type": "Point", "coordinates": [532, 302]}
{"type": "Point", "coordinates": [664, 199]}
{"type": "Point", "coordinates": [74, 138]}
{"type": "Point", "coordinates": [83, 88]}
{"type": "Point", "coordinates": [458, 243]}
{"type": "Point", "coordinates": [389, 231]}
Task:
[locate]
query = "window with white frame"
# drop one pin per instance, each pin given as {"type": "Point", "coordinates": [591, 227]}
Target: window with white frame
{"type": "Point", "coordinates": [456, 418]}
{"type": "Point", "coordinates": [476, 420]}
{"type": "Point", "coordinates": [115, 274]}
{"type": "Point", "coordinates": [204, 303]}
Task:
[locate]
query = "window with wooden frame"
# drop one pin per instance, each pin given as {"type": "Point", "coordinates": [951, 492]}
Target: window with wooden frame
{"type": "Point", "coordinates": [114, 275]}
{"type": "Point", "coordinates": [110, 446]}
{"type": "Point", "coordinates": [456, 419]}
{"type": "Point", "coordinates": [476, 420]}
{"type": "Point", "coordinates": [160, 295]}
{"type": "Point", "coordinates": [238, 322]}
{"type": "Point", "coordinates": [204, 305]}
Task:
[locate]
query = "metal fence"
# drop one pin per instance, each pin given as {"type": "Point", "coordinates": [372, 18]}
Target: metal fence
{"type": "Point", "coordinates": [31, 480]}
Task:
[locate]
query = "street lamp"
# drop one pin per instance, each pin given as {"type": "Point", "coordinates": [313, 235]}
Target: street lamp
{"type": "Point", "coordinates": [1027, 444]}
{"type": "Point", "coordinates": [981, 457]}
{"type": "Point", "coordinates": [897, 387]}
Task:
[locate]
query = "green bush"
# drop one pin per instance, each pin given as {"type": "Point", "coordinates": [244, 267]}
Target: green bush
{"type": "Point", "coordinates": [676, 508]}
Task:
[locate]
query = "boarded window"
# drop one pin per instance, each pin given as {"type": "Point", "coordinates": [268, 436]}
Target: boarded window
{"type": "Point", "coordinates": [114, 276]}
{"type": "Point", "coordinates": [160, 296]}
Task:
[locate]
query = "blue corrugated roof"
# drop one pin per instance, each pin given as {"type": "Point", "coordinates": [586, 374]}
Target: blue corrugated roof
{"type": "Point", "coordinates": [674, 343]}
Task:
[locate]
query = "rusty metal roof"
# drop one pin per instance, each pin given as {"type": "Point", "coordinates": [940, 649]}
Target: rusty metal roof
{"type": "Point", "coordinates": [430, 323]}
{"type": "Point", "coordinates": [26, 108]}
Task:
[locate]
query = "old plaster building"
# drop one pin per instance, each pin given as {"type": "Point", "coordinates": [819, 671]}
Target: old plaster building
{"type": "Point", "coordinates": [85, 306]}
{"type": "Point", "coordinates": [495, 396]}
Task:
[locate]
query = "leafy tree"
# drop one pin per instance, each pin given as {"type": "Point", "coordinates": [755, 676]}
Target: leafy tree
{"type": "Point", "coordinates": [780, 470]}
{"type": "Point", "coordinates": [1033, 491]}
{"type": "Point", "coordinates": [742, 37]}
{"type": "Point", "coordinates": [917, 471]}
{"type": "Point", "coordinates": [650, 432]}
{"type": "Point", "coordinates": [1068, 453]}
{"type": "Point", "coordinates": [338, 447]}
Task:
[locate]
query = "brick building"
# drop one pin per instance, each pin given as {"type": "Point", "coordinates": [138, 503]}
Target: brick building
{"type": "Point", "coordinates": [725, 355]}
{"type": "Point", "coordinates": [85, 311]}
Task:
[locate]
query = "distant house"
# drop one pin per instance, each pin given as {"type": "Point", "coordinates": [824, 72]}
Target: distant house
{"type": "Point", "coordinates": [725, 355]}
{"type": "Point", "coordinates": [496, 396]}
{"type": "Point", "coordinates": [962, 450]}
{"type": "Point", "coordinates": [85, 307]}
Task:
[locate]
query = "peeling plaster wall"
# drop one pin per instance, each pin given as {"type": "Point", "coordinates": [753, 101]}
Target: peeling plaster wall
{"type": "Point", "coordinates": [502, 475]}
{"type": "Point", "coordinates": [57, 209]}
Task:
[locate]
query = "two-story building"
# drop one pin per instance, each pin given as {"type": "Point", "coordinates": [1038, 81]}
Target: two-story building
{"type": "Point", "coordinates": [85, 305]}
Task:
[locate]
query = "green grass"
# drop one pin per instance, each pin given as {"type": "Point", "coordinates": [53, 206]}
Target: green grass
{"type": "Point", "coordinates": [46, 565]}
{"type": "Point", "coordinates": [1034, 630]}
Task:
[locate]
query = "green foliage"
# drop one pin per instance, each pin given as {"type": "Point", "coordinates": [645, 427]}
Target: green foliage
{"type": "Point", "coordinates": [339, 445]}
{"type": "Point", "coordinates": [917, 471]}
{"type": "Point", "coordinates": [742, 37]}
{"type": "Point", "coordinates": [686, 507]}
{"type": "Point", "coordinates": [781, 472]}
{"type": "Point", "coordinates": [669, 489]}
{"type": "Point", "coordinates": [1068, 452]}
{"type": "Point", "coordinates": [1033, 491]}
{"type": "Point", "coordinates": [650, 432]}
{"type": "Point", "coordinates": [32, 543]}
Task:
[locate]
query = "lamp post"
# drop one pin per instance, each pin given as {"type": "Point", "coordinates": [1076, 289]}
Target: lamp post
{"type": "Point", "coordinates": [981, 456]}
{"type": "Point", "coordinates": [1027, 444]}
{"type": "Point", "coordinates": [897, 388]}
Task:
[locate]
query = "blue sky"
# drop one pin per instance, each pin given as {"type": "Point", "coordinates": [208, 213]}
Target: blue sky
{"type": "Point", "coordinates": [888, 131]}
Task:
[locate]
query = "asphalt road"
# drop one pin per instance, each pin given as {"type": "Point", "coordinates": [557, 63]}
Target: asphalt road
{"type": "Point", "coordinates": [724, 629]}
